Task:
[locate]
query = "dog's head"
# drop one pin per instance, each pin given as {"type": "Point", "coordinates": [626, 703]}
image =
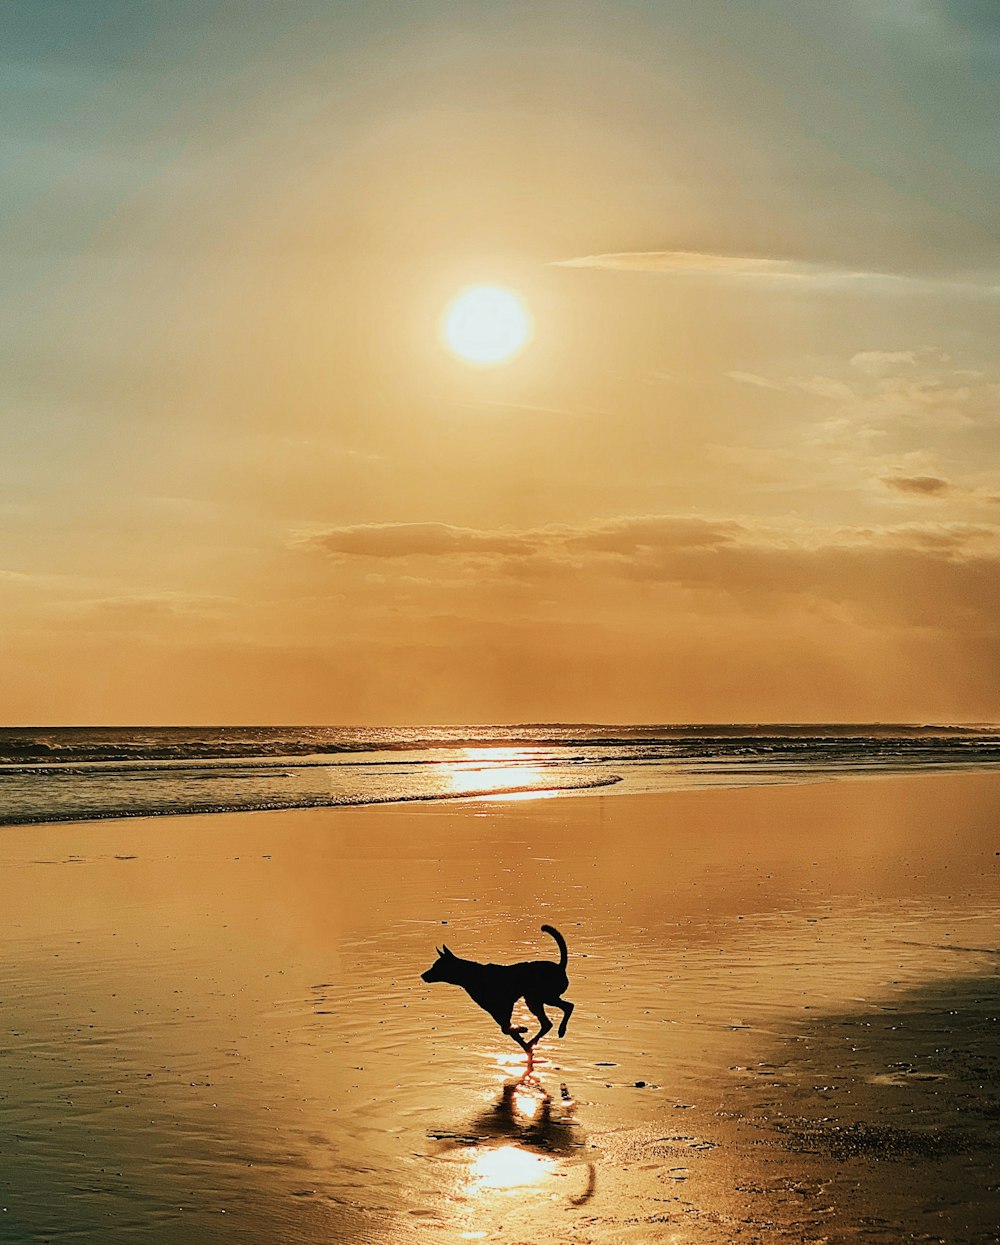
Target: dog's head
{"type": "Point", "coordinates": [443, 968]}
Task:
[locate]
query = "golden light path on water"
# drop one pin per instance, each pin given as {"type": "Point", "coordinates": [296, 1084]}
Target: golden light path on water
{"type": "Point", "coordinates": [506, 771]}
{"type": "Point", "coordinates": [508, 1167]}
{"type": "Point", "coordinates": [527, 1139]}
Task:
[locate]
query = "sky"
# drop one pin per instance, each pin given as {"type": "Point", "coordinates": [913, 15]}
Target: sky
{"type": "Point", "coordinates": [748, 468]}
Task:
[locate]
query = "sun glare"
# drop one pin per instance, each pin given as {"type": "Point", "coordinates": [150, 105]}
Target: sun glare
{"type": "Point", "coordinates": [504, 771]}
{"type": "Point", "coordinates": [508, 1168]}
{"type": "Point", "coordinates": [485, 324]}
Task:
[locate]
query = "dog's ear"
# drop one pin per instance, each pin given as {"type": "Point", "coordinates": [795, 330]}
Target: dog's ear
{"type": "Point", "coordinates": [445, 950]}
{"type": "Point", "coordinates": [439, 951]}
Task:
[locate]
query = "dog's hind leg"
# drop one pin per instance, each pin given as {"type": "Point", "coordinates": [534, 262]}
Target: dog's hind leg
{"type": "Point", "coordinates": [567, 1011]}
{"type": "Point", "coordinates": [537, 1008]}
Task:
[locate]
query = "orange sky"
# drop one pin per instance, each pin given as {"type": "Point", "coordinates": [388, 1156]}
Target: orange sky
{"type": "Point", "coordinates": [746, 470]}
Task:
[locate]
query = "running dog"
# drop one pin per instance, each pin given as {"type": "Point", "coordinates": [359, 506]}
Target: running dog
{"type": "Point", "coordinates": [497, 987]}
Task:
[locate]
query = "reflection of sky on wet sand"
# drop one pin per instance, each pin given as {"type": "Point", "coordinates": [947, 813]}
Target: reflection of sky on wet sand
{"type": "Point", "coordinates": [215, 1027]}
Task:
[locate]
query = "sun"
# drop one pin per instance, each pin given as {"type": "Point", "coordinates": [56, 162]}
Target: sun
{"type": "Point", "coordinates": [485, 324]}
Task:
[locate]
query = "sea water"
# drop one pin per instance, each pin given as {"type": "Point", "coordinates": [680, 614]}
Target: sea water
{"type": "Point", "coordinates": [82, 773]}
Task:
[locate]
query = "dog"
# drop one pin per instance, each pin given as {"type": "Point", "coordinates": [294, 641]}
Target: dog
{"type": "Point", "coordinates": [497, 987]}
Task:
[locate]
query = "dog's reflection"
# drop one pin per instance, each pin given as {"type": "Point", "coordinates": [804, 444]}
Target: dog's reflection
{"type": "Point", "coordinates": [526, 1118]}
{"type": "Point", "coordinates": [527, 1112]}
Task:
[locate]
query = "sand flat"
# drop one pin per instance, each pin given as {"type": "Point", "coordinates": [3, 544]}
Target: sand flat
{"type": "Point", "coordinates": [786, 1022]}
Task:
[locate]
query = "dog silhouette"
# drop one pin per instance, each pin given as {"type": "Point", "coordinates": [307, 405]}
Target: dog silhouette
{"type": "Point", "coordinates": [497, 987]}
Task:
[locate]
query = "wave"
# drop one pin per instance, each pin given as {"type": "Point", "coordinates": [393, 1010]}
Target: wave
{"type": "Point", "coordinates": [60, 746]}
{"type": "Point", "coordinates": [275, 804]}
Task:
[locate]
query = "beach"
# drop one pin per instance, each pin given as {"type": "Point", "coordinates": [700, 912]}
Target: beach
{"type": "Point", "coordinates": [512, 481]}
{"type": "Point", "coordinates": [786, 1020]}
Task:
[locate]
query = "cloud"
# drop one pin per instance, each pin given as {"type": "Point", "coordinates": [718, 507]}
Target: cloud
{"type": "Point", "coordinates": [770, 268]}
{"type": "Point", "coordinates": [751, 378]}
{"type": "Point", "coordinates": [895, 396]}
{"type": "Point", "coordinates": [402, 540]}
{"type": "Point", "coordinates": [622, 536]}
{"type": "Point", "coordinates": [158, 605]}
{"type": "Point", "coordinates": [648, 568]}
{"type": "Point", "coordinates": [937, 487]}
{"type": "Point", "coordinates": [701, 263]}
{"type": "Point", "coordinates": [815, 386]}
{"type": "Point", "coordinates": [633, 535]}
{"type": "Point", "coordinates": [922, 486]}
{"type": "Point", "coordinates": [941, 400]}
{"type": "Point", "coordinates": [875, 362]}
{"type": "Point", "coordinates": [639, 536]}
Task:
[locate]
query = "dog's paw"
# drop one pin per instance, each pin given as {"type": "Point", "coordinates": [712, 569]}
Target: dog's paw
{"type": "Point", "coordinates": [518, 1029]}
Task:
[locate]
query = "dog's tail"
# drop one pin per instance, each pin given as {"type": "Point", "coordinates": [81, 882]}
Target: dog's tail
{"type": "Point", "coordinates": [560, 943]}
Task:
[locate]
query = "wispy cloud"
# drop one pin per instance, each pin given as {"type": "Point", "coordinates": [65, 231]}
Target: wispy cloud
{"type": "Point", "coordinates": [882, 392]}
{"type": "Point", "coordinates": [770, 268]}
{"type": "Point", "coordinates": [160, 605]}
{"type": "Point", "coordinates": [816, 386]}
{"type": "Point", "coordinates": [875, 362]}
{"type": "Point", "coordinates": [404, 540]}
{"type": "Point", "coordinates": [702, 263]}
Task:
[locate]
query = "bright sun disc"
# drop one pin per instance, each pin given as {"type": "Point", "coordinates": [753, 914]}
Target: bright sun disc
{"type": "Point", "coordinates": [485, 324]}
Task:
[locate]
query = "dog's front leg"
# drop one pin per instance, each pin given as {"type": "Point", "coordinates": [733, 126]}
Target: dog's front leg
{"type": "Point", "coordinates": [515, 1032]}
{"type": "Point", "coordinates": [502, 1017]}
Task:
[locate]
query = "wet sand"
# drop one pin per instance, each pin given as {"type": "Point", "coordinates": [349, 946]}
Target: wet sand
{"type": "Point", "coordinates": [787, 1002]}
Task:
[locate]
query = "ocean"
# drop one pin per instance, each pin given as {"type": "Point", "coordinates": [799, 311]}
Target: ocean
{"type": "Point", "coordinates": [85, 773]}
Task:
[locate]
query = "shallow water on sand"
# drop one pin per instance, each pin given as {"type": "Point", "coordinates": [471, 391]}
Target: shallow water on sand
{"type": "Point", "coordinates": [214, 1029]}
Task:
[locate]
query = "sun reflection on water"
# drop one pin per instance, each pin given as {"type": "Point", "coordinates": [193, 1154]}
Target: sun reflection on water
{"type": "Point", "coordinates": [503, 770]}
{"type": "Point", "coordinates": [526, 1103]}
{"type": "Point", "coordinates": [522, 1142]}
{"type": "Point", "coordinates": [507, 1167]}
